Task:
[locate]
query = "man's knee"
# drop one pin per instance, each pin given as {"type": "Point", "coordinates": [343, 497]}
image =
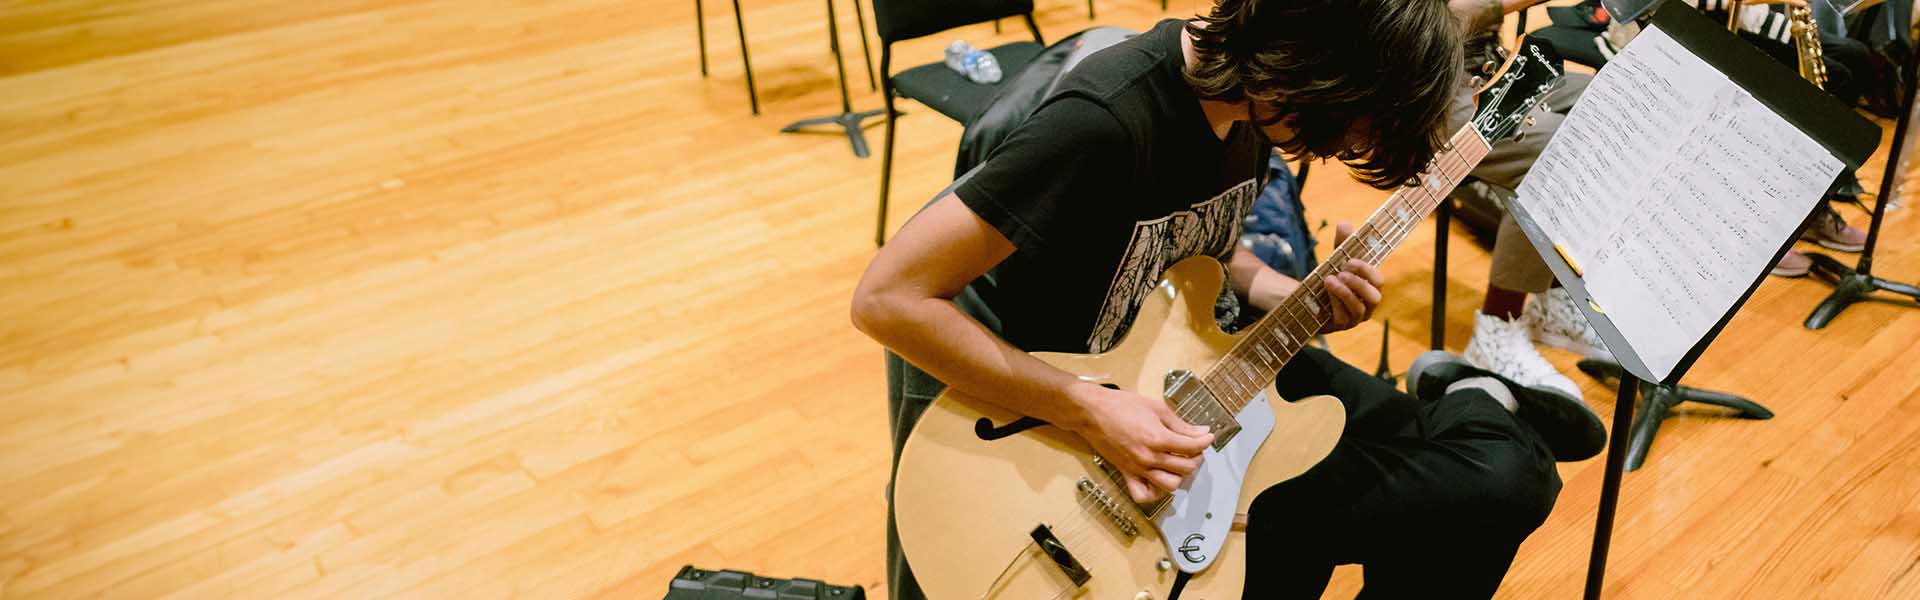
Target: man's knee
{"type": "Point", "coordinates": [1516, 483]}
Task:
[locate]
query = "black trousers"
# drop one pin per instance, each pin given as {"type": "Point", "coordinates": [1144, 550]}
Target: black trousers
{"type": "Point", "coordinates": [1432, 500]}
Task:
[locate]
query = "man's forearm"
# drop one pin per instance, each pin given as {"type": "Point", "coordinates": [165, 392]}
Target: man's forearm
{"type": "Point", "coordinates": [1251, 278]}
{"type": "Point", "coordinates": [935, 335]}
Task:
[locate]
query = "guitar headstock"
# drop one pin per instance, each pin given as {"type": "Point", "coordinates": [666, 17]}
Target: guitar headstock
{"type": "Point", "coordinates": [1532, 71]}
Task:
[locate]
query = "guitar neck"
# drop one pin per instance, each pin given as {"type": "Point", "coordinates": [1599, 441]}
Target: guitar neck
{"type": "Point", "coordinates": [1269, 343]}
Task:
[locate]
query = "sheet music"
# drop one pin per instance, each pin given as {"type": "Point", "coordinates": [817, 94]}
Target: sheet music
{"type": "Point", "coordinates": [1672, 188]}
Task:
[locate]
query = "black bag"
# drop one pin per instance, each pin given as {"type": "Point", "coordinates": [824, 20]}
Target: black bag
{"type": "Point", "coordinates": [698, 584]}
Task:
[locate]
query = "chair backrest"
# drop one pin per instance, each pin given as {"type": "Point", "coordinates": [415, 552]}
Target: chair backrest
{"type": "Point", "coordinates": [896, 20]}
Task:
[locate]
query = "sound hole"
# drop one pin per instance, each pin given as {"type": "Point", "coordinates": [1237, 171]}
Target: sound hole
{"type": "Point", "coordinates": [987, 431]}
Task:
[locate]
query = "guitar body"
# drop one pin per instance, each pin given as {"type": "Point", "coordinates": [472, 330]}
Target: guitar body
{"type": "Point", "coordinates": [966, 505]}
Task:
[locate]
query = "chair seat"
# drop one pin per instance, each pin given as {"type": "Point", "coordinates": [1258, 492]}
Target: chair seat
{"type": "Point", "coordinates": [952, 94]}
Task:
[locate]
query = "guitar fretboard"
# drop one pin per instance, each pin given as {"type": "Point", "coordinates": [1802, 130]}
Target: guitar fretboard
{"type": "Point", "coordinates": [1269, 343]}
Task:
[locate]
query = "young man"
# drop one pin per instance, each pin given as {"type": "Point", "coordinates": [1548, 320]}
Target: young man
{"type": "Point", "coordinates": [1149, 153]}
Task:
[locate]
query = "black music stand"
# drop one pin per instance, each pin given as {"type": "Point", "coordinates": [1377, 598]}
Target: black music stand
{"type": "Point", "coordinates": [1659, 401]}
{"type": "Point", "coordinates": [1845, 135]}
{"type": "Point", "coordinates": [1852, 285]}
{"type": "Point", "coordinates": [851, 123]}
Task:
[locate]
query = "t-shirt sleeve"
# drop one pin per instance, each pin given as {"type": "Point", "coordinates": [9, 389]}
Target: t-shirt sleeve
{"type": "Point", "coordinates": [1061, 164]}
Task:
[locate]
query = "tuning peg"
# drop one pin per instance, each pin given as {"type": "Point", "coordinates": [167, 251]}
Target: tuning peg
{"type": "Point", "coordinates": [1477, 81]}
{"type": "Point", "coordinates": [1529, 120]}
{"type": "Point", "coordinates": [1488, 67]}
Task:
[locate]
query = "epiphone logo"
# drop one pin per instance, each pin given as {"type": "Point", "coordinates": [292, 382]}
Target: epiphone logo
{"type": "Point", "coordinates": [1190, 551]}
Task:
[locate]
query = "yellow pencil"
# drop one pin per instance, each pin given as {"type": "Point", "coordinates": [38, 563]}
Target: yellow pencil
{"type": "Point", "coordinates": [1569, 258]}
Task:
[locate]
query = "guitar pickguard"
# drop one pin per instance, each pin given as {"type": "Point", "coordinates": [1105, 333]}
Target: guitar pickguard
{"type": "Point", "coordinates": [1195, 522]}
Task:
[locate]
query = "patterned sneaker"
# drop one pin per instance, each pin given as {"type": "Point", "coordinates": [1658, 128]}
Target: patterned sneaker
{"type": "Point", "coordinates": [1501, 346]}
{"type": "Point", "coordinates": [1556, 321]}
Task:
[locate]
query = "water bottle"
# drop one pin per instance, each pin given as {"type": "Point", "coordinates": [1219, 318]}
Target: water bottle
{"type": "Point", "coordinates": [975, 64]}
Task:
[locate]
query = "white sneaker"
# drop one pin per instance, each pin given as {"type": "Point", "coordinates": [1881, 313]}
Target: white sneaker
{"type": "Point", "coordinates": [1556, 321]}
{"type": "Point", "coordinates": [1502, 346]}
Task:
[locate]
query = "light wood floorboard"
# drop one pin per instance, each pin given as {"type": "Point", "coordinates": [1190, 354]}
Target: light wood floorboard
{"type": "Point", "coordinates": [425, 298]}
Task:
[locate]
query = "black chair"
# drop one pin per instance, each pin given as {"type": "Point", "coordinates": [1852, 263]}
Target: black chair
{"type": "Point", "coordinates": [740, 26]}
{"type": "Point", "coordinates": [933, 84]}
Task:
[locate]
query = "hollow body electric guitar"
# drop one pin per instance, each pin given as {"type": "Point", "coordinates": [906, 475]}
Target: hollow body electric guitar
{"type": "Point", "coordinates": [993, 504]}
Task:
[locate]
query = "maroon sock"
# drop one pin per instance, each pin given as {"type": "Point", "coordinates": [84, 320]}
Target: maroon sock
{"type": "Point", "coordinates": [1504, 303]}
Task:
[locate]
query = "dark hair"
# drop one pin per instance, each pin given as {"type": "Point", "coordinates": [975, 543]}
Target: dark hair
{"type": "Point", "coordinates": [1385, 70]}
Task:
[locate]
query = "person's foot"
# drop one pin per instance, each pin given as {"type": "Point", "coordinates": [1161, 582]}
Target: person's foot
{"type": "Point", "coordinates": [1504, 347]}
{"type": "Point", "coordinates": [1570, 429]}
{"type": "Point", "coordinates": [1792, 264]}
{"type": "Point", "coordinates": [1831, 231]}
{"type": "Point", "coordinates": [1555, 320]}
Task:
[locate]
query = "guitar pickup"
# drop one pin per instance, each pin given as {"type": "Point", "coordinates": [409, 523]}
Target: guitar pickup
{"type": "Point", "coordinates": [1194, 402]}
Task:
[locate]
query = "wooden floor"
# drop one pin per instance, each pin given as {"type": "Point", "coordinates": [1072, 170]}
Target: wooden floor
{"type": "Point", "coordinates": [438, 298]}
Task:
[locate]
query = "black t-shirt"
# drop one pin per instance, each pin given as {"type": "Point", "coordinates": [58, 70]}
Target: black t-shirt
{"type": "Point", "coordinates": [1117, 176]}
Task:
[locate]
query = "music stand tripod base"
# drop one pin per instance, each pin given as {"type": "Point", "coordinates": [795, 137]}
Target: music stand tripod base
{"type": "Point", "coordinates": [1659, 401]}
{"type": "Point", "coordinates": [851, 122]}
{"type": "Point", "coordinates": [1849, 286]}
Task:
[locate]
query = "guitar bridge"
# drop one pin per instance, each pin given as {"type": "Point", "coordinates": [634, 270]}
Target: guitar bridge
{"type": "Point", "coordinates": [1108, 507]}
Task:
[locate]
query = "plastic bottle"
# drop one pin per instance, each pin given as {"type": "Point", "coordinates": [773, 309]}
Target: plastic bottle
{"type": "Point", "coordinates": [975, 64]}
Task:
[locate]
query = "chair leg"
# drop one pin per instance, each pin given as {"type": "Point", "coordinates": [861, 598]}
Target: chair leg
{"type": "Point", "coordinates": [740, 24]}
{"type": "Point", "coordinates": [886, 175]}
{"type": "Point", "coordinates": [996, 27]}
{"type": "Point", "coordinates": [1442, 226]}
{"type": "Point", "coordinates": [700, 29]}
{"type": "Point", "coordinates": [859, 16]}
{"type": "Point", "coordinates": [1035, 28]}
{"type": "Point", "coordinates": [1090, 16]}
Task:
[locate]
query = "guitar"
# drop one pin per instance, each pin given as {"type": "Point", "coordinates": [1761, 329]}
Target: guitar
{"type": "Point", "coordinates": [992, 504]}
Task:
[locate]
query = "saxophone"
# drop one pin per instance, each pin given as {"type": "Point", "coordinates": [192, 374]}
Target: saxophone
{"type": "Point", "coordinates": [1806, 39]}
{"type": "Point", "coordinates": [1806, 43]}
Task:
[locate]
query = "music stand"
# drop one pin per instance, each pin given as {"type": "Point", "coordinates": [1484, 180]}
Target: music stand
{"type": "Point", "coordinates": [1852, 285]}
{"type": "Point", "coordinates": [851, 123]}
{"type": "Point", "coordinates": [1823, 119]}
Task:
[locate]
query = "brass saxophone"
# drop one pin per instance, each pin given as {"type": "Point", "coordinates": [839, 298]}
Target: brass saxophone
{"type": "Point", "coordinates": [1806, 39]}
{"type": "Point", "coordinates": [1806, 43]}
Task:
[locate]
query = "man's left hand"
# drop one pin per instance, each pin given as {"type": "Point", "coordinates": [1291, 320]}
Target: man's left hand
{"type": "Point", "coordinates": [1354, 289]}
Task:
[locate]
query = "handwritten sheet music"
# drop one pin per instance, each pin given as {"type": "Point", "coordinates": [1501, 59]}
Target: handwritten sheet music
{"type": "Point", "coordinates": [1672, 187]}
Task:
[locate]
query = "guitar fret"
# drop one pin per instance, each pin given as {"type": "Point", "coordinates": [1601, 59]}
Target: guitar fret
{"type": "Point", "coordinates": [1301, 331]}
{"type": "Point", "coordinates": [1233, 386]}
{"type": "Point", "coordinates": [1267, 358]}
{"type": "Point", "coordinates": [1286, 343]}
{"type": "Point", "coordinates": [1435, 188]}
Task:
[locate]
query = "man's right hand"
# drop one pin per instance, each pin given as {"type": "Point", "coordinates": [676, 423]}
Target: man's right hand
{"type": "Point", "coordinates": [1151, 446]}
